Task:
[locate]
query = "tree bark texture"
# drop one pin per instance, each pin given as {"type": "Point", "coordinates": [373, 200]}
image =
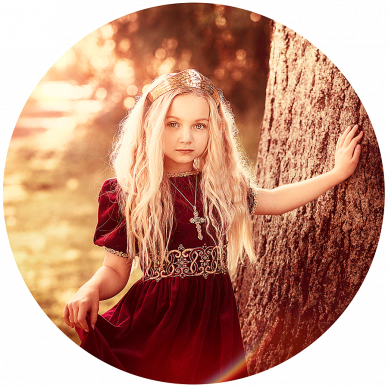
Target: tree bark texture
{"type": "Point", "coordinates": [310, 261]}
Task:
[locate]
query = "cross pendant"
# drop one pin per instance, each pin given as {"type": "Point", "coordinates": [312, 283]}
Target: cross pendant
{"type": "Point", "coordinates": [197, 221]}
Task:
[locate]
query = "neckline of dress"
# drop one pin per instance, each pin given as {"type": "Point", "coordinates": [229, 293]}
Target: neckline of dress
{"type": "Point", "coordinates": [183, 174]}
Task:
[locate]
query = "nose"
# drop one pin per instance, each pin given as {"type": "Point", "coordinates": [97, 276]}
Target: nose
{"type": "Point", "coordinates": [185, 135]}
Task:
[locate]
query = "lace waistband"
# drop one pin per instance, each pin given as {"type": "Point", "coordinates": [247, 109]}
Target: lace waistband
{"type": "Point", "coordinates": [183, 262]}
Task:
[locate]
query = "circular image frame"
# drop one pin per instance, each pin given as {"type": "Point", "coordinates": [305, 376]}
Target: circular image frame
{"type": "Point", "coordinates": [71, 184]}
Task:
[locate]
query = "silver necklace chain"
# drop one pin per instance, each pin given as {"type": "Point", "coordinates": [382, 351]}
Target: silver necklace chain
{"type": "Point", "coordinates": [196, 219]}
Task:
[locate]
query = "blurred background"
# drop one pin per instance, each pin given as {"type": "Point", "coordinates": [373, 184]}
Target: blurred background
{"type": "Point", "coordinates": [58, 155]}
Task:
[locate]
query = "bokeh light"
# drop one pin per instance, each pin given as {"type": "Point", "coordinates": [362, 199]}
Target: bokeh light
{"type": "Point", "coordinates": [58, 156]}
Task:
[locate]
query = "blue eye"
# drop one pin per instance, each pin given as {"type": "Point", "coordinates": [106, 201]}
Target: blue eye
{"type": "Point", "coordinates": [200, 126]}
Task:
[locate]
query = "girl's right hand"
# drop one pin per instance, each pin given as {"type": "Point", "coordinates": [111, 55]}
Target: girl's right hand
{"type": "Point", "coordinates": [84, 301]}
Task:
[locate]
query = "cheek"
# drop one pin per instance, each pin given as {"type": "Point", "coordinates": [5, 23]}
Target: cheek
{"type": "Point", "coordinates": [206, 138]}
{"type": "Point", "coordinates": [167, 138]}
{"type": "Point", "coordinates": [204, 141]}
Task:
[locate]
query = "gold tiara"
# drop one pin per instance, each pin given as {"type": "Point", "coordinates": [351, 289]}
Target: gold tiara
{"type": "Point", "coordinates": [185, 79]}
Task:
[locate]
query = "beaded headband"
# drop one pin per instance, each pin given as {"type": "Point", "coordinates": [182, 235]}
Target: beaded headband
{"type": "Point", "coordinates": [185, 79]}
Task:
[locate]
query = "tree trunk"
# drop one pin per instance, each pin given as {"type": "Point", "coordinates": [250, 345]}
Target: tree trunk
{"type": "Point", "coordinates": [312, 260]}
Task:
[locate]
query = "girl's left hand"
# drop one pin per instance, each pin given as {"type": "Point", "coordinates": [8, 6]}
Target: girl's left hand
{"type": "Point", "coordinates": [347, 153]}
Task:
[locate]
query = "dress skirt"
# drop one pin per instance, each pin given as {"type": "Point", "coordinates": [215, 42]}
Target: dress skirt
{"type": "Point", "coordinates": [179, 323]}
{"type": "Point", "coordinates": [177, 330]}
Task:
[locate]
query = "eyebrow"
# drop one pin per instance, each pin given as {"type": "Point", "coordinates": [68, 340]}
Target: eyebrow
{"type": "Point", "coordinates": [177, 118]}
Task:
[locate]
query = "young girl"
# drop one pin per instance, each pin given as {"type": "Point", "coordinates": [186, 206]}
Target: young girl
{"type": "Point", "coordinates": [182, 203]}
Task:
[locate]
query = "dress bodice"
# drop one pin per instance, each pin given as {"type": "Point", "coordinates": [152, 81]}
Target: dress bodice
{"type": "Point", "coordinates": [192, 250]}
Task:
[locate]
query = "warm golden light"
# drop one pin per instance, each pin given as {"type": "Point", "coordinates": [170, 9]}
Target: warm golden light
{"type": "Point", "coordinates": [160, 53]}
{"type": "Point", "coordinates": [255, 17]}
{"type": "Point", "coordinates": [124, 45]}
{"type": "Point", "coordinates": [241, 54]}
{"type": "Point", "coordinates": [132, 90]}
{"type": "Point", "coordinates": [101, 93]}
{"type": "Point", "coordinates": [53, 90]}
{"type": "Point", "coordinates": [219, 73]}
{"type": "Point", "coordinates": [221, 22]}
{"type": "Point", "coordinates": [129, 102]}
{"type": "Point", "coordinates": [62, 138]}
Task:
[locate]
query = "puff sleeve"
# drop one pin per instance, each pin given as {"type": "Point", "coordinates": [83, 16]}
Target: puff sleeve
{"type": "Point", "coordinates": [111, 230]}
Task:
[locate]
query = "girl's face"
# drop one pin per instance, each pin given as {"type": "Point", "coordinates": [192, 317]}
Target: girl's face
{"type": "Point", "coordinates": [186, 132]}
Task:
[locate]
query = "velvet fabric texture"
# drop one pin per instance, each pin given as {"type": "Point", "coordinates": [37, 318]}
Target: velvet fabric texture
{"type": "Point", "coordinates": [179, 329]}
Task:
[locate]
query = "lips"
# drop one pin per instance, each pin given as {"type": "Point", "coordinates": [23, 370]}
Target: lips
{"type": "Point", "coordinates": [185, 151]}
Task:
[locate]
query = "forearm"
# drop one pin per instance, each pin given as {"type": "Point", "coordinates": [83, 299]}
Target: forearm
{"type": "Point", "coordinates": [292, 196]}
{"type": "Point", "coordinates": [107, 281]}
{"type": "Point", "coordinates": [288, 197]}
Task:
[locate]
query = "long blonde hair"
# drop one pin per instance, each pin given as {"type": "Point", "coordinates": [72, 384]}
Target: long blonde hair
{"type": "Point", "coordinates": [145, 196]}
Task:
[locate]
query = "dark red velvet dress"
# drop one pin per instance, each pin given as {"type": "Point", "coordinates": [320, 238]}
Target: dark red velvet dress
{"type": "Point", "coordinates": [179, 323]}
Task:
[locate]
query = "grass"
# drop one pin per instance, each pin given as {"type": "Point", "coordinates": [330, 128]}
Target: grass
{"type": "Point", "coordinates": [50, 205]}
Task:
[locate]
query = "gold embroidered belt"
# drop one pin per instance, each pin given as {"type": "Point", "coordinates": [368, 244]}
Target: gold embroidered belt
{"type": "Point", "coordinates": [183, 262]}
